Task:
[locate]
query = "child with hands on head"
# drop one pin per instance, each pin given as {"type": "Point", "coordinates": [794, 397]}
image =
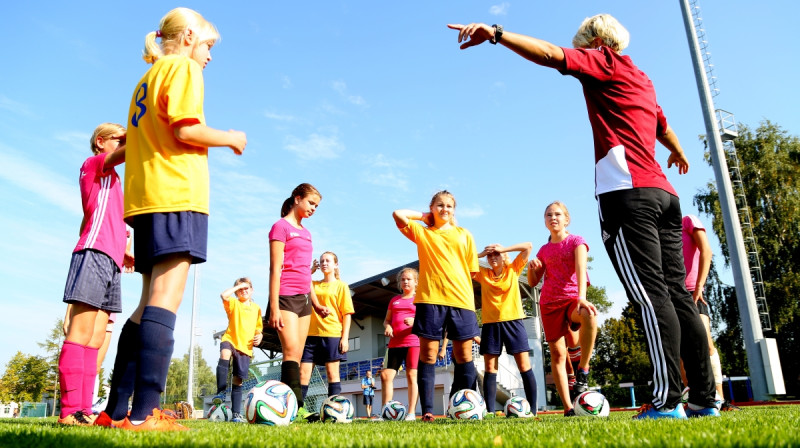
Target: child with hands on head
{"type": "Point", "coordinates": [563, 304]}
{"type": "Point", "coordinates": [243, 333]}
{"type": "Point", "coordinates": [291, 296]}
{"type": "Point", "coordinates": [501, 308]}
{"type": "Point", "coordinates": [327, 341]}
{"type": "Point", "coordinates": [403, 344]}
{"type": "Point", "coordinates": [167, 204]}
{"type": "Point", "coordinates": [445, 298]}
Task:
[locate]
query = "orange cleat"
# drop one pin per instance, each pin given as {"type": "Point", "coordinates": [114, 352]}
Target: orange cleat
{"type": "Point", "coordinates": [159, 421]}
{"type": "Point", "coordinates": [105, 420]}
{"type": "Point", "coordinates": [77, 418]}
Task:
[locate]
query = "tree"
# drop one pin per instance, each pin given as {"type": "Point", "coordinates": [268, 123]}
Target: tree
{"type": "Point", "coordinates": [52, 347]}
{"type": "Point", "coordinates": [178, 379]}
{"type": "Point", "coordinates": [769, 166]}
{"type": "Point", "coordinates": [24, 378]}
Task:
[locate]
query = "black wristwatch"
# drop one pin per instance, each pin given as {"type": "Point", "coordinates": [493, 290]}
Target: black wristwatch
{"type": "Point", "coordinates": [498, 34]}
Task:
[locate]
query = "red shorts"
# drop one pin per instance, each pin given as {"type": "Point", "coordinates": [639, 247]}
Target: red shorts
{"type": "Point", "coordinates": [555, 319]}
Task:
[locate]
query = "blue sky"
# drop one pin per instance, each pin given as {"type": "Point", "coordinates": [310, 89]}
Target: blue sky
{"type": "Point", "coordinates": [373, 103]}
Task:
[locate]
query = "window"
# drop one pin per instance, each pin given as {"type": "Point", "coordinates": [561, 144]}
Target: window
{"type": "Point", "coordinates": [354, 343]}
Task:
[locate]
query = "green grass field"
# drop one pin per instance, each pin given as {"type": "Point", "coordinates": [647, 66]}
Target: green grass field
{"type": "Point", "coordinates": [754, 426]}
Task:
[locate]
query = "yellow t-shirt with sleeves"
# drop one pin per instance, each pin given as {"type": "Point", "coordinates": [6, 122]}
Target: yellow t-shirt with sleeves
{"type": "Point", "coordinates": [447, 259]}
{"type": "Point", "coordinates": [163, 174]}
{"type": "Point", "coordinates": [500, 298]}
{"type": "Point", "coordinates": [336, 296]}
{"type": "Point", "coordinates": [244, 322]}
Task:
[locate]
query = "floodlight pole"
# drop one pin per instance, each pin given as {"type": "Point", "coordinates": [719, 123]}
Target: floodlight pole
{"type": "Point", "coordinates": [748, 310]}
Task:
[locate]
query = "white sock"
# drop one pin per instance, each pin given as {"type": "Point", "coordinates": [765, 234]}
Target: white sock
{"type": "Point", "coordinates": [716, 367]}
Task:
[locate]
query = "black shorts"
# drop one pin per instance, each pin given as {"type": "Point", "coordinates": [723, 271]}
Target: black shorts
{"type": "Point", "coordinates": [160, 234]}
{"type": "Point", "coordinates": [299, 304]}
{"type": "Point", "coordinates": [397, 355]}
{"type": "Point", "coordinates": [702, 308]}
{"type": "Point", "coordinates": [241, 361]}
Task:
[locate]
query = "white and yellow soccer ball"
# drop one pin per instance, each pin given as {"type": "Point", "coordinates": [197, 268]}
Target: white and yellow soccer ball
{"type": "Point", "coordinates": [592, 403]}
{"type": "Point", "coordinates": [466, 404]}
{"type": "Point", "coordinates": [271, 403]}
{"type": "Point", "coordinates": [393, 410]}
{"type": "Point", "coordinates": [336, 409]}
{"type": "Point", "coordinates": [219, 413]}
{"type": "Point", "coordinates": [518, 407]}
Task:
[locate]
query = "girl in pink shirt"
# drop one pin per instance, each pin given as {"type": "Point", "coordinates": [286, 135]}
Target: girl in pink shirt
{"type": "Point", "coordinates": [563, 305]}
{"type": "Point", "coordinates": [403, 345]}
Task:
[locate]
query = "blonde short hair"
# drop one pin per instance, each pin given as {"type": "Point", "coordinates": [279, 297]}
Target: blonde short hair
{"type": "Point", "coordinates": [172, 30]}
{"type": "Point", "coordinates": [105, 131]}
{"type": "Point", "coordinates": [607, 28]}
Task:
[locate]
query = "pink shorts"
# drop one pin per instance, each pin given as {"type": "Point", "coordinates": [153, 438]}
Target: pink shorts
{"type": "Point", "coordinates": [555, 319]}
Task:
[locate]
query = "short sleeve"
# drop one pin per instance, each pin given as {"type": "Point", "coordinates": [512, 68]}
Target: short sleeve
{"type": "Point", "coordinates": [661, 122]}
{"type": "Point", "coordinates": [278, 232]}
{"type": "Point", "coordinates": [518, 264]}
{"type": "Point", "coordinates": [588, 63]}
{"type": "Point", "coordinates": [94, 164]}
{"type": "Point", "coordinates": [184, 92]}
{"type": "Point", "coordinates": [259, 321]}
{"type": "Point", "coordinates": [345, 301]}
{"type": "Point", "coordinates": [472, 254]}
{"type": "Point", "coordinates": [412, 230]}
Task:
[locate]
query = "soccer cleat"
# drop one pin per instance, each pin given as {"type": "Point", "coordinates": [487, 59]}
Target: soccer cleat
{"type": "Point", "coordinates": [727, 406]}
{"type": "Point", "coordinates": [410, 417]}
{"type": "Point", "coordinates": [581, 382]}
{"type": "Point", "coordinates": [427, 418]}
{"type": "Point", "coordinates": [158, 421]}
{"type": "Point", "coordinates": [302, 413]}
{"type": "Point", "coordinates": [77, 418]}
{"type": "Point", "coordinates": [105, 420]}
{"type": "Point", "coordinates": [237, 418]}
{"type": "Point", "coordinates": [570, 413]}
{"type": "Point", "coordinates": [649, 411]}
{"type": "Point", "coordinates": [702, 412]}
{"type": "Point", "coordinates": [489, 416]}
{"type": "Point", "coordinates": [218, 399]}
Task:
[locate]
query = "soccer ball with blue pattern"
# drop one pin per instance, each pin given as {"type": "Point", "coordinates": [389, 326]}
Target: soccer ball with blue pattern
{"type": "Point", "coordinates": [592, 404]}
{"type": "Point", "coordinates": [466, 404]}
{"type": "Point", "coordinates": [518, 407]}
{"type": "Point", "coordinates": [394, 410]}
{"type": "Point", "coordinates": [270, 403]}
{"type": "Point", "coordinates": [219, 413]}
{"type": "Point", "coordinates": [336, 409]}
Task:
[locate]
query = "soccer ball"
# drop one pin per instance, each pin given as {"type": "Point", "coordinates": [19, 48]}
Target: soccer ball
{"type": "Point", "coordinates": [219, 413]}
{"type": "Point", "coordinates": [336, 409]}
{"type": "Point", "coordinates": [394, 410]}
{"type": "Point", "coordinates": [270, 403]}
{"type": "Point", "coordinates": [592, 404]}
{"type": "Point", "coordinates": [466, 404]}
{"type": "Point", "coordinates": [685, 396]}
{"type": "Point", "coordinates": [518, 407]}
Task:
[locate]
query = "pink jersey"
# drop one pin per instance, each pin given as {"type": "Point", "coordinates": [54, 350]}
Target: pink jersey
{"type": "Point", "coordinates": [402, 308]}
{"type": "Point", "coordinates": [625, 118]}
{"type": "Point", "coordinates": [296, 269]}
{"type": "Point", "coordinates": [560, 278]}
{"type": "Point", "coordinates": [103, 228]}
{"type": "Point", "coordinates": [691, 253]}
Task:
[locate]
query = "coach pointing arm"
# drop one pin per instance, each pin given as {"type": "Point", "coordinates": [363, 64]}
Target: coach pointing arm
{"type": "Point", "coordinates": [535, 50]}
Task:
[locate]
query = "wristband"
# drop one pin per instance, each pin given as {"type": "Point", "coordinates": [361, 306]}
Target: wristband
{"type": "Point", "coordinates": [498, 34]}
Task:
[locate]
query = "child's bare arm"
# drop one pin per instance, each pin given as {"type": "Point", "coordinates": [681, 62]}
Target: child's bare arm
{"type": "Point", "coordinates": [225, 295]}
{"type": "Point", "coordinates": [402, 217]}
{"type": "Point", "coordinates": [535, 271]}
{"type": "Point", "coordinates": [344, 342]}
{"type": "Point", "coordinates": [202, 135]}
{"type": "Point", "coordinates": [114, 158]}
{"type": "Point", "coordinates": [275, 265]}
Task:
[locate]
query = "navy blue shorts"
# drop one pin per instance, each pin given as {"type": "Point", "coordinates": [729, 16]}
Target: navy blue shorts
{"type": "Point", "coordinates": [94, 279]}
{"type": "Point", "coordinates": [510, 333]}
{"type": "Point", "coordinates": [321, 350]}
{"type": "Point", "coordinates": [159, 234]}
{"type": "Point", "coordinates": [431, 321]}
{"type": "Point", "coordinates": [368, 399]}
{"type": "Point", "coordinates": [241, 361]}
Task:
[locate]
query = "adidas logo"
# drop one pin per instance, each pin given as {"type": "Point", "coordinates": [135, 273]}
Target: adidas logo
{"type": "Point", "coordinates": [606, 236]}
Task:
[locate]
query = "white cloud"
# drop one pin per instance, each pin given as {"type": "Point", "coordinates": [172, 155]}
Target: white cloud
{"type": "Point", "coordinates": [15, 106]}
{"type": "Point", "coordinates": [499, 10]}
{"type": "Point", "coordinates": [279, 117]}
{"type": "Point", "coordinates": [76, 140]}
{"type": "Point", "coordinates": [40, 180]}
{"type": "Point", "coordinates": [286, 82]}
{"type": "Point", "coordinates": [341, 88]}
{"type": "Point", "coordinates": [385, 172]}
{"type": "Point", "coordinates": [315, 147]}
{"type": "Point", "coordinates": [469, 212]}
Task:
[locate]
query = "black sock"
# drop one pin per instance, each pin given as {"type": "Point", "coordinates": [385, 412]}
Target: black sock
{"type": "Point", "coordinates": [222, 375]}
{"type": "Point", "coordinates": [464, 377]}
{"type": "Point", "coordinates": [290, 375]}
{"type": "Point", "coordinates": [157, 342]}
{"type": "Point", "coordinates": [123, 378]}
{"type": "Point", "coordinates": [304, 390]}
{"type": "Point", "coordinates": [334, 388]}
{"type": "Point", "coordinates": [490, 390]}
{"type": "Point", "coordinates": [236, 399]}
{"type": "Point", "coordinates": [529, 383]}
{"type": "Point", "coordinates": [426, 380]}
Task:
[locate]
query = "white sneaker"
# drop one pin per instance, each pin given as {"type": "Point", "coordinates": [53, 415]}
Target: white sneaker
{"type": "Point", "coordinates": [411, 417]}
